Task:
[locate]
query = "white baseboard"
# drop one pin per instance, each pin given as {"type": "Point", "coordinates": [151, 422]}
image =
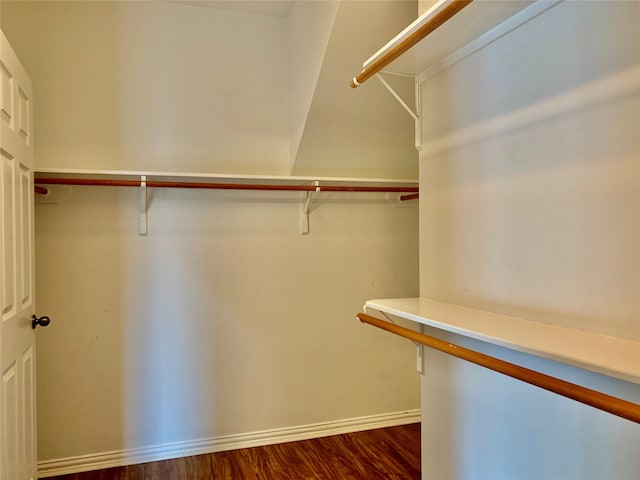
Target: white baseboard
{"type": "Point", "coordinates": [118, 458]}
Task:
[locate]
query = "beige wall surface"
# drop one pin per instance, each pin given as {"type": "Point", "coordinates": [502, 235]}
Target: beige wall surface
{"type": "Point", "coordinates": [530, 206]}
{"type": "Point", "coordinates": [162, 86]}
{"type": "Point", "coordinates": [155, 86]}
{"type": "Point", "coordinates": [224, 319]}
{"type": "Point", "coordinates": [309, 28]}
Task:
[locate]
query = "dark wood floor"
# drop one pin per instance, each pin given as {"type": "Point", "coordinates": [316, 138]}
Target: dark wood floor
{"type": "Point", "coordinates": [383, 454]}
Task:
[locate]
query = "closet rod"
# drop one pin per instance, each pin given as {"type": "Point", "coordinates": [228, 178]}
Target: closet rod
{"type": "Point", "coordinates": [602, 401]}
{"type": "Point", "coordinates": [436, 21]}
{"type": "Point", "coordinates": [412, 196]}
{"type": "Point", "coordinates": [224, 186]}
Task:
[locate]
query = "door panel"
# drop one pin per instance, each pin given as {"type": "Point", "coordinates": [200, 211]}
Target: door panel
{"type": "Point", "coordinates": [8, 231]}
{"type": "Point", "coordinates": [6, 95]}
{"type": "Point", "coordinates": [26, 268]}
{"type": "Point", "coordinates": [17, 299]}
{"type": "Point", "coordinates": [24, 111]}
{"type": "Point", "coordinates": [28, 427]}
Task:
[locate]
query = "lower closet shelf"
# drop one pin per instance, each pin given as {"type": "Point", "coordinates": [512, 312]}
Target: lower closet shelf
{"type": "Point", "coordinates": [612, 356]}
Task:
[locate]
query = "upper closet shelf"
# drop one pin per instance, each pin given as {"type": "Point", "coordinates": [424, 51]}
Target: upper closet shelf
{"type": "Point", "coordinates": [59, 175]}
{"type": "Point", "coordinates": [453, 29]}
{"type": "Point", "coordinates": [204, 181]}
{"type": "Point", "coordinates": [611, 356]}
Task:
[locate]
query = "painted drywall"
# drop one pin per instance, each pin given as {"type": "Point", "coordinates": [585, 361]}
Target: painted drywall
{"type": "Point", "coordinates": [155, 86]}
{"type": "Point", "coordinates": [309, 28]}
{"type": "Point", "coordinates": [530, 206]}
{"type": "Point", "coordinates": [424, 5]}
{"type": "Point", "coordinates": [224, 319]}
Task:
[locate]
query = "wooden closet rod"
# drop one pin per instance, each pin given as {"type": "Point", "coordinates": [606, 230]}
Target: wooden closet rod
{"type": "Point", "coordinates": [224, 186]}
{"type": "Point", "coordinates": [602, 401]}
{"type": "Point", "coordinates": [412, 196]}
{"type": "Point", "coordinates": [447, 12]}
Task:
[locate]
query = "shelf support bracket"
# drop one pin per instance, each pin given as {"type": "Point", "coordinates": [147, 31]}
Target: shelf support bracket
{"type": "Point", "coordinates": [414, 115]}
{"type": "Point", "coordinates": [304, 217]}
{"type": "Point", "coordinates": [419, 346]}
{"type": "Point", "coordinates": [142, 212]}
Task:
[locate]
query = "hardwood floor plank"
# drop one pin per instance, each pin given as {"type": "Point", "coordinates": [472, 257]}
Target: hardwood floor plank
{"type": "Point", "coordinates": [132, 472]}
{"type": "Point", "coordinates": [302, 460]}
{"type": "Point", "coordinates": [383, 454]}
{"type": "Point", "coordinates": [198, 467]}
{"type": "Point", "coordinates": [232, 465]}
{"type": "Point", "coordinates": [362, 465]}
{"type": "Point", "coordinates": [173, 469]}
{"type": "Point", "coordinates": [261, 461]}
{"type": "Point", "coordinates": [117, 473]}
{"type": "Point", "coordinates": [400, 449]}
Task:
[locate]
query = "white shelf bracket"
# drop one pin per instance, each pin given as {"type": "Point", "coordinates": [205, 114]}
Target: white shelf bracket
{"type": "Point", "coordinates": [420, 351]}
{"type": "Point", "coordinates": [142, 216]}
{"type": "Point", "coordinates": [418, 123]}
{"type": "Point", "coordinates": [304, 216]}
{"type": "Point", "coordinates": [414, 115]}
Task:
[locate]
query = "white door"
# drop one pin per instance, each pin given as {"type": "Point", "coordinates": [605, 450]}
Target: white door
{"type": "Point", "coordinates": [17, 341]}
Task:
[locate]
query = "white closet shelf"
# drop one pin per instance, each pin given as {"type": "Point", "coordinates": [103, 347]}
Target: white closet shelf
{"type": "Point", "coordinates": [87, 174]}
{"type": "Point", "coordinates": [448, 31]}
{"type": "Point", "coordinates": [612, 356]}
{"type": "Point", "coordinates": [144, 180]}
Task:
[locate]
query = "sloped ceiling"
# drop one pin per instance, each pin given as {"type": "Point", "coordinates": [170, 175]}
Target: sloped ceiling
{"type": "Point", "coordinates": [362, 132]}
{"type": "Point", "coordinates": [309, 28]}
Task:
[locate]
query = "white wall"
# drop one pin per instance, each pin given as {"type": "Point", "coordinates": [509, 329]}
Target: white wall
{"type": "Point", "coordinates": [530, 194]}
{"type": "Point", "coordinates": [155, 86]}
{"type": "Point", "coordinates": [224, 319]}
{"type": "Point", "coordinates": [310, 25]}
{"type": "Point", "coordinates": [424, 5]}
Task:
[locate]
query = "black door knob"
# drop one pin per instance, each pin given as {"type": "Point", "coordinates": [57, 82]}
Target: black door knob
{"type": "Point", "coordinates": [42, 321]}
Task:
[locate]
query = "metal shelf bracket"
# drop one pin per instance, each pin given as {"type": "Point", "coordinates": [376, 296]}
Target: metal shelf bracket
{"type": "Point", "coordinates": [142, 212]}
{"type": "Point", "coordinates": [304, 216]}
{"type": "Point", "coordinates": [418, 97]}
